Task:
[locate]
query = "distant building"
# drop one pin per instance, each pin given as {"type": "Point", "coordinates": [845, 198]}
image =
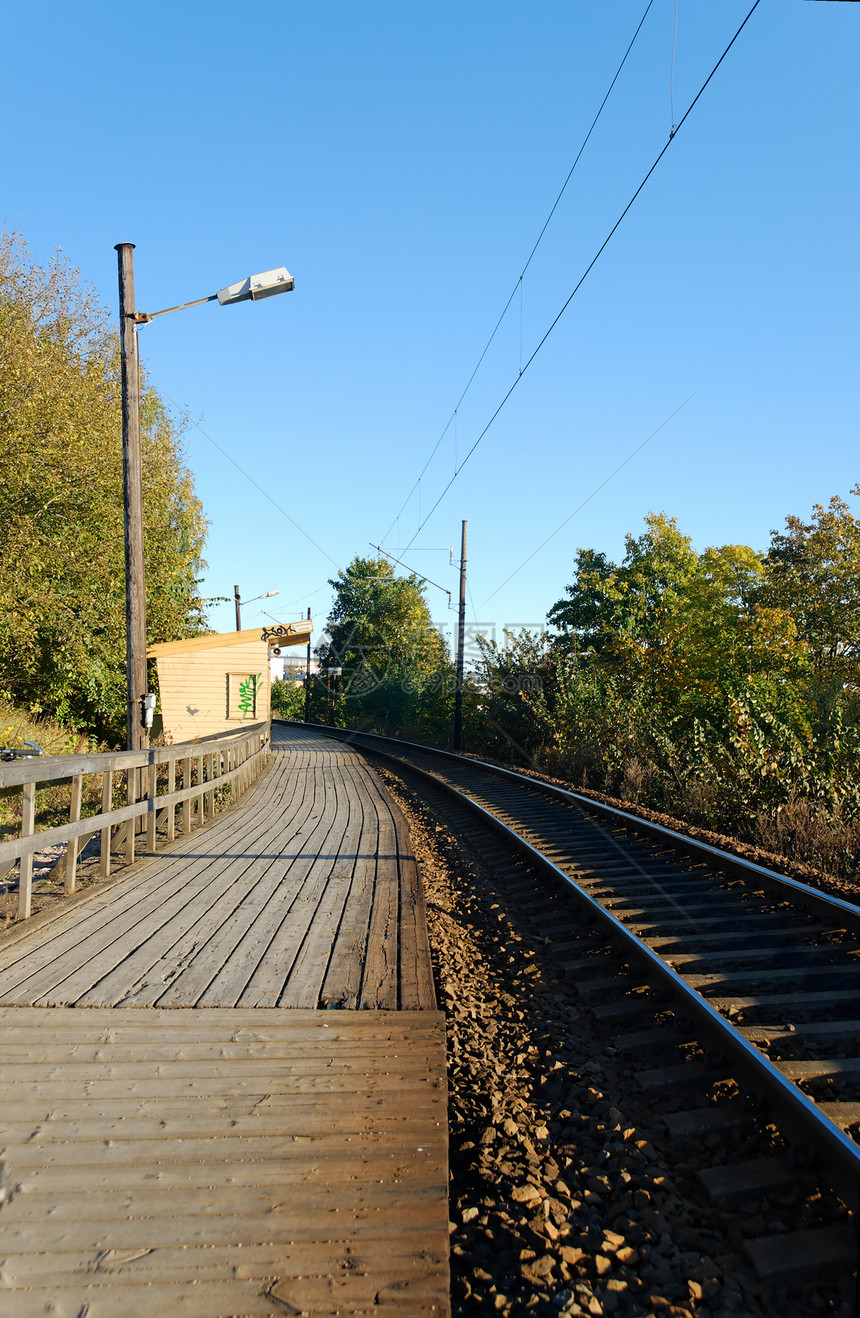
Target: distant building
{"type": "Point", "coordinates": [292, 667]}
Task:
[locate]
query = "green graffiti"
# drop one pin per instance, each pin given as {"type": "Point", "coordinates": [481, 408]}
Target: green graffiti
{"type": "Point", "coordinates": [248, 694]}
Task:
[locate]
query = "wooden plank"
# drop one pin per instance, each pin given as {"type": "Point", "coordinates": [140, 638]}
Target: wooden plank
{"type": "Point", "coordinates": [260, 1024]}
{"type": "Point", "coordinates": [379, 987]}
{"type": "Point", "coordinates": [305, 1258]}
{"type": "Point", "coordinates": [250, 1074]}
{"type": "Point", "coordinates": [333, 1160]}
{"type": "Point", "coordinates": [121, 1266]}
{"type": "Point", "coordinates": [415, 972]}
{"type": "Point", "coordinates": [341, 1294]}
{"type": "Point", "coordinates": [52, 1201]}
{"type": "Point", "coordinates": [208, 1046]}
{"type": "Point", "coordinates": [144, 1299]}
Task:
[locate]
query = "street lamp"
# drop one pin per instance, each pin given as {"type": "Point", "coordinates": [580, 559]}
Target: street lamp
{"type": "Point", "coordinates": [239, 602]}
{"type": "Point", "coordinates": [252, 289]}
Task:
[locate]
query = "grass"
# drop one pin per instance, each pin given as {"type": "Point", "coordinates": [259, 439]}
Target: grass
{"type": "Point", "coordinates": [53, 799]}
{"type": "Point", "coordinates": [16, 727]}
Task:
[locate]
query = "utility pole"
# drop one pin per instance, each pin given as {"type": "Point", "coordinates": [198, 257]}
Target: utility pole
{"type": "Point", "coordinates": [461, 633]}
{"type": "Point", "coordinates": [238, 602]}
{"type": "Point", "coordinates": [135, 589]}
{"type": "Point", "coordinates": [308, 678]}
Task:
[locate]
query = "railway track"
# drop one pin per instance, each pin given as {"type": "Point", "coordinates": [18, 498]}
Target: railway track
{"type": "Point", "coordinates": [714, 967]}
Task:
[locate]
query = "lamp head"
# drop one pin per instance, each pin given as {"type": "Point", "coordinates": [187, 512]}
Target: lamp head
{"type": "Point", "coordinates": [256, 287]}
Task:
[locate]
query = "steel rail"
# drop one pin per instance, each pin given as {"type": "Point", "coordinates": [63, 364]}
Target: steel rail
{"type": "Point", "coordinates": [832, 907]}
{"type": "Point", "coordinates": [837, 1155]}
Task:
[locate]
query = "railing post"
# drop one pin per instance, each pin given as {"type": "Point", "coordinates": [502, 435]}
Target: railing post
{"type": "Point", "coordinates": [171, 809]}
{"type": "Point", "coordinates": [107, 802]}
{"type": "Point", "coordinates": [210, 773]}
{"type": "Point", "coordinates": [186, 804]}
{"type": "Point", "coordinates": [25, 867]}
{"type": "Point", "coordinates": [152, 792]}
{"type": "Point", "coordinates": [131, 827]}
{"type": "Point", "coordinates": [242, 758]}
{"type": "Point", "coordinates": [71, 866]}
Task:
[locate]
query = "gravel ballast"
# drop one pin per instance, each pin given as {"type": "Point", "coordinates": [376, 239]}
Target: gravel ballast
{"type": "Point", "coordinates": [566, 1195]}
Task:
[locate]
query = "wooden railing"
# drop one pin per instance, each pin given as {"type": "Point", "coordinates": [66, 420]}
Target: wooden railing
{"type": "Point", "coordinates": [195, 772]}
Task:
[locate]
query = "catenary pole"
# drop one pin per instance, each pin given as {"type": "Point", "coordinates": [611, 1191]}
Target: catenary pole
{"type": "Point", "coordinates": [308, 678]}
{"type": "Point", "coordinates": [135, 589]}
{"type": "Point", "coordinates": [461, 633]}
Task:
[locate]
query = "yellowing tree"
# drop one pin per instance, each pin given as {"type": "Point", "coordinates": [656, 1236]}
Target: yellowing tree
{"type": "Point", "coordinates": [62, 609]}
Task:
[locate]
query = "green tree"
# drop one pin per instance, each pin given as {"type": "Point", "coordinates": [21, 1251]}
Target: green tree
{"type": "Point", "coordinates": [812, 572]}
{"type": "Point", "coordinates": [62, 593]}
{"type": "Point", "coordinates": [632, 616]}
{"type": "Point", "coordinates": [288, 698]}
{"type": "Point", "coordinates": [397, 675]}
{"type": "Point", "coordinates": [587, 621]}
{"type": "Point", "coordinates": [722, 686]}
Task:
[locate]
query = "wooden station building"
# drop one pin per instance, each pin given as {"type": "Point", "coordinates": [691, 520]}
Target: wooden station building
{"type": "Point", "coordinates": [212, 684]}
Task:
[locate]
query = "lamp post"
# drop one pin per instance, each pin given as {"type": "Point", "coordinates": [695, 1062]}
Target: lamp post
{"type": "Point", "coordinates": [252, 289]}
{"type": "Point", "coordinates": [461, 630]}
{"type": "Point", "coordinates": [238, 601]}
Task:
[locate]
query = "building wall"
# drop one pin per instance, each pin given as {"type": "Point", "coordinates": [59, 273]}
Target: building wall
{"type": "Point", "coordinates": [195, 686]}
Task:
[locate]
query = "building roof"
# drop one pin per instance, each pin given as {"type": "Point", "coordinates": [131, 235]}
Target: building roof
{"type": "Point", "coordinates": [281, 635]}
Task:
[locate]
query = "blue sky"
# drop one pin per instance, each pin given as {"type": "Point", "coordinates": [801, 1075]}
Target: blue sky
{"type": "Point", "coordinates": [401, 160]}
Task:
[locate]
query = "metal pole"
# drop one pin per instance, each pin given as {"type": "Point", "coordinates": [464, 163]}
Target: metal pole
{"type": "Point", "coordinates": [132, 475]}
{"type": "Point", "coordinates": [237, 601]}
{"type": "Point", "coordinates": [308, 678]}
{"type": "Point", "coordinates": [461, 632]}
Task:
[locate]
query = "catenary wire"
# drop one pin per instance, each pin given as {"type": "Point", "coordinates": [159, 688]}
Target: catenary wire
{"type": "Point", "coordinates": [592, 263]}
{"type": "Point", "coordinates": [256, 484]}
{"type": "Point", "coordinates": [412, 572]}
{"type": "Point", "coordinates": [452, 420]}
{"type": "Point", "coordinates": [595, 491]}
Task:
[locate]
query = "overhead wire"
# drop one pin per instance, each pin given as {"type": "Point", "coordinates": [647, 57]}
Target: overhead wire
{"type": "Point", "coordinates": [592, 263]}
{"type": "Point", "coordinates": [256, 484]}
{"type": "Point", "coordinates": [412, 572]}
{"type": "Point", "coordinates": [595, 491]}
{"type": "Point", "coordinates": [518, 284]}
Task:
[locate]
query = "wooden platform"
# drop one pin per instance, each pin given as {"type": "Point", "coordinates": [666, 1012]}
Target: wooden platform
{"type": "Point", "coordinates": [222, 1163]}
{"type": "Point", "coordinates": [304, 895]}
{"type": "Point", "coordinates": [229, 1156]}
